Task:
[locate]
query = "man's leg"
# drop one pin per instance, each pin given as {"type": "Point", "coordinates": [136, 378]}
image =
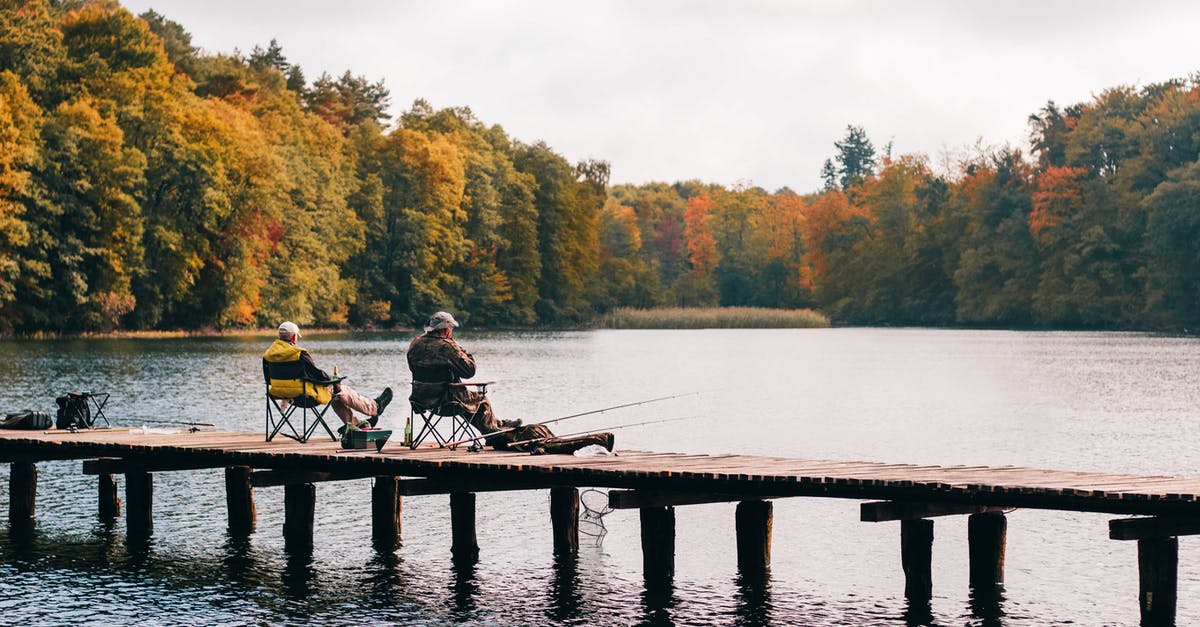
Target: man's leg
{"type": "Point", "coordinates": [342, 411]}
{"type": "Point", "coordinates": [484, 420]}
{"type": "Point", "coordinates": [570, 445]}
{"type": "Point", "coordinates": [346, 402]}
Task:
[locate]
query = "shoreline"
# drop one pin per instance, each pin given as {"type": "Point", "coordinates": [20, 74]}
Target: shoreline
{"type": "Point", "coordinates": [259, 333]}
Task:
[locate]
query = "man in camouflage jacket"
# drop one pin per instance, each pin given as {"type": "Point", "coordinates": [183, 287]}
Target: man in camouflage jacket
{"type": "Point", "coordinates": [435, 359]}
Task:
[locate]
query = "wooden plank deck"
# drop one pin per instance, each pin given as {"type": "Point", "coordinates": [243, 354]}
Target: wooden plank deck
{"type": "Point", "coordinates": [737, 475]}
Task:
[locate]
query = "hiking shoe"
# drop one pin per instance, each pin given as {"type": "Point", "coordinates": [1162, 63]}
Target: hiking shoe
{"type": "Point", "coordinates": [381, 403]}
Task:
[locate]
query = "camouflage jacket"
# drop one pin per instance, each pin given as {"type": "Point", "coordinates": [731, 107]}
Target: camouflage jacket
{"type": "Point", "coordinates": [435, 361]}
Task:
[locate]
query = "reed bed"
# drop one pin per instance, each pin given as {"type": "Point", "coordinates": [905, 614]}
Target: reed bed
{"type": "Point", "coordinates": [712, 318]}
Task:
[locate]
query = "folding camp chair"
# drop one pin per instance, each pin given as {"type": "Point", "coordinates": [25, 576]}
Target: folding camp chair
{"type": "Point", "coordinates": [432, 416]}
{"type": "Point", "coordinates": [98, 401]}
{"type": "Point", "coordinates": [281, 409]}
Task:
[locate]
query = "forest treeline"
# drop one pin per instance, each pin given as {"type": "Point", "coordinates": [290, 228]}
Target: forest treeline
{"type": "Point", "coordinates": [145, 184]}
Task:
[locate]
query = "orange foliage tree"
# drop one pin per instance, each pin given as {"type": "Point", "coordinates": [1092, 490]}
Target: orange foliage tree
{"type": "Point", "coordinates": [701, 244]}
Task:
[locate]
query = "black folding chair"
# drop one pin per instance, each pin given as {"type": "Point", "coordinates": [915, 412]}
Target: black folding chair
{"type": "Point", "coordinates": [432, 416]}
{"type": "Point", "coordinates": [280, 410]}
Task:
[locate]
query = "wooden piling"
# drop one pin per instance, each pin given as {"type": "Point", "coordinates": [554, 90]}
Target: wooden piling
{"type": "Point", "coordinates": [387, 509]}
{"type": "Point", "coordinates": [985, 540]}
{"type": "Point", "coordinates": [564, 517]}
{"type": "Point", "coordinates": [239, 499]}
{"type": "Point", "coordinates": [299, 511]}
{"type": "Point", "coordinates": [658, 543]}
{"type": "Point", "coordinates": [753, 522]}
{"type": "Point", "coordinates": [463, 543]}
{"type": "Point", "coordinates": [109, 502]}
{"type": "Point", "coordinates": [1158, 561]}
{"type": "Point", "coordinates": [22, 495]}
{"type": "Point", "coordinates": [139, 503]}
{"type": "Point", "coordinates": [916, 556]}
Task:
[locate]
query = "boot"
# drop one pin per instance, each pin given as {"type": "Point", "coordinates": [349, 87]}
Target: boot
{"type": "Point", "coordinates": [381, 403]}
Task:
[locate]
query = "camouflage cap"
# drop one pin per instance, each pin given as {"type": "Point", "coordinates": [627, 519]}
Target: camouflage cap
{"type": "Point", "coordinates": [440, 320]}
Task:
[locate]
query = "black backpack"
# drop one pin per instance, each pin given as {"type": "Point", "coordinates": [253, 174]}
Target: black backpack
{"type": "Point", "coordinates": [73, 411]}
{"type": "Point", "coordinates": [28, 419]}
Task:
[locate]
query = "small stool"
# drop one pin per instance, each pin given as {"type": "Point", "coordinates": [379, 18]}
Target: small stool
{"type": "Point", "coordinates": [98, 401]}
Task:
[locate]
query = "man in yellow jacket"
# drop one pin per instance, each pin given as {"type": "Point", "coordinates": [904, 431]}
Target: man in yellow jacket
{"type": "Point", "coordinates": [291, 371]}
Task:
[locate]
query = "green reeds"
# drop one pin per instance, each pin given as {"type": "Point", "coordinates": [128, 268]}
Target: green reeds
{"type": "Point", "coordinates": [712, 318]}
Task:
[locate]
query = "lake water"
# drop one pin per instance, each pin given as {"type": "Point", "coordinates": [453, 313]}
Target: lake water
{"type": "Point", "coordinates": [1079, 401]}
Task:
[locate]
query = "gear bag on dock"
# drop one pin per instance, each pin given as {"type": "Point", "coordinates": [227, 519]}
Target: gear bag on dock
{"type": "Point", "coordinates": [73, 411]}
{"type": "Point", "coordinates": [27, 419]}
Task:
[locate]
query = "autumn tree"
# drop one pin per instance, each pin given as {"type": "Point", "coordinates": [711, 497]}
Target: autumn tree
{"type": "Point", "coordinates": [20, 151]}
{"type": "Point", "coordinates": [698, 287]}
{"type": "Point", "coordinates": [568, 201]}
{"type": "Point", "coordinates": [424, 179]}
{"type": "Point", "coordinates": [625, 276]}
{"type": "Point", "coordinates": [999, 268]}
{"type": "Point", "coordinates": [737, 226]}
{"type": "Point", "coordinates": [782, 276]}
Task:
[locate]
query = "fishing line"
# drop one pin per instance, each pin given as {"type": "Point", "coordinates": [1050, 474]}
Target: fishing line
{"type": "Point", "coordinates": [488, 436]}
{"type": "Point", "coordinates": [600, 429]}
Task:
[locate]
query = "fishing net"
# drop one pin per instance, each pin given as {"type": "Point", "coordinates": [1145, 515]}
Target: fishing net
{"type": "Point", "coordinates": [593, 505]}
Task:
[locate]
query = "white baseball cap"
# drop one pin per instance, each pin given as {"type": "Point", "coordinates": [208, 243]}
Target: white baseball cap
{"type": "Point", "coordinates": [287, 329]}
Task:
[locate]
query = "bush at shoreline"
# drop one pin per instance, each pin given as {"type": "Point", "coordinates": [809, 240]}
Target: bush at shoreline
{"type": "Point", "coordinates": [713, 318]}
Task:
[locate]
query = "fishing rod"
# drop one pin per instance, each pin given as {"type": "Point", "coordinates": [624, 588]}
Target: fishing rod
{"type": "Point", "coordinates": [598, 430]}
{"type": "Point", "coordinates": [192, 426]}
{"type": "Point", "coordinates": [484, 436]}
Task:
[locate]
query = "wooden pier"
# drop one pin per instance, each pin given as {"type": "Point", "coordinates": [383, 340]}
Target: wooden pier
{"type": "Point", "coordinates": [1154, 510]}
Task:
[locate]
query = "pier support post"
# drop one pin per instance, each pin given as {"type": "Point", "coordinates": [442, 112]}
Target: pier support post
{"type": "Point", "coordinates": [916, 556]}
{"type": "Point", "coordinates": [658, 543]}
{"type": "Point", "coordinates": [1158, 561]}
{"type": "Point", "coordinates": [387, 510]}
{"type": "Point", "coordinates": [985, 541]}
{"type": "Point", "coordinates": [22, 495]}
{"type": "Point", "coordinates": [753, 524]}
{"type": "Point", "coordinates": [299, 511]}
{"type": "Point", "coordinates": [139, 503]}
{"type": "Point", "coordinates": [564, 517]}
{"type": "Point", "coordinates": [239, 498]}
{"type": "Point", "coordinates": [109, 502]}
{"type": "Point", "coordinates": [463, 544]}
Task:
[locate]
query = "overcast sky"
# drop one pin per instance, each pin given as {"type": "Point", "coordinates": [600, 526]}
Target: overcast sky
{"type": "Point", "coordinates": [726, 92]}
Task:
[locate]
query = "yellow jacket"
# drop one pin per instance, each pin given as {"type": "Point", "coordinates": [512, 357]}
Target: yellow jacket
{"type": "Point", "coordinates": [286, 368]}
